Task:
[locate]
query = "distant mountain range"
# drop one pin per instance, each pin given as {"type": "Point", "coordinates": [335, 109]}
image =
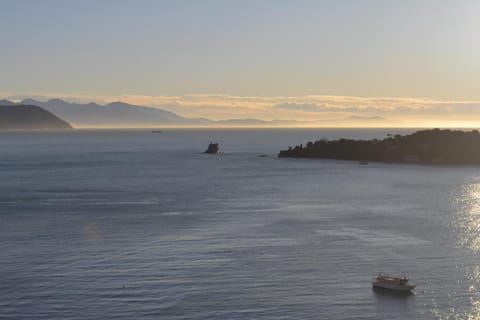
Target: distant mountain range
{"type": "Point", "coordinates": [28, 117]}
{"type": "Point", "coordinates": [113, 114]}
{"type": "Point", "coordinates": [120, 114]}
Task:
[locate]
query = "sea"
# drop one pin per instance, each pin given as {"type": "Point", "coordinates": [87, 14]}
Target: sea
{"type": "Point", "coordinates": [130, 224]}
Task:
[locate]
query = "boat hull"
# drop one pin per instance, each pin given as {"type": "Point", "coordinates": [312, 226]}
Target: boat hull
{"type": "Point", "coordinates": [393, 286]}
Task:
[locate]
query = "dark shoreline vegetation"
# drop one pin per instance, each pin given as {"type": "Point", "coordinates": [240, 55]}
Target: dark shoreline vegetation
{"type": "Point", "coordinates": [426, 147]}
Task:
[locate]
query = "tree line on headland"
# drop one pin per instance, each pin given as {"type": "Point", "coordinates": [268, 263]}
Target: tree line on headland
{"type": "Point", "coordinates": [426, 146]}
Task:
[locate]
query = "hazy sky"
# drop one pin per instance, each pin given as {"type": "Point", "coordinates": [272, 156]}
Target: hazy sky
{"type": "Point", "coordinates": [242, 48]}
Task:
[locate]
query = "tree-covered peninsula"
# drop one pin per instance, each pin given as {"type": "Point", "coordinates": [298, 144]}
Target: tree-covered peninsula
{"type": "Point", "coordinates": [427, 146]}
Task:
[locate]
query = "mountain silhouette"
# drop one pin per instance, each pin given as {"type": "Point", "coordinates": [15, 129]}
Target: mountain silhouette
{"type": "Point", "coordinates": [112, 114]}
{"type": "Point", "coordinates": [120, 114]}
{"type": "Point", "coordinates": [28, 117]}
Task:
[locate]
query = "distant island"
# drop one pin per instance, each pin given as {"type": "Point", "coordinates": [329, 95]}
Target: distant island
{"type": "Point", "coordinates": [427, 147]}
{"type": "Point", "coordinates": [28, 117]}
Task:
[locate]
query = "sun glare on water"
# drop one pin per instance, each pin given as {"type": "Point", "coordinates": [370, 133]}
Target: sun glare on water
{"type": "Point", "coordinates": [465, 224]}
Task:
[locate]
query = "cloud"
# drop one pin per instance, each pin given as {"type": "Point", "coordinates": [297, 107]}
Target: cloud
{"type": "Point", "coordinates": [361, 118]}
{"type": "Point", "coordinates": [297, 106]}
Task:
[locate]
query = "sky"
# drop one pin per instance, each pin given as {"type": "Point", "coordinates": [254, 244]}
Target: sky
{"type": "Point", "coordinates": [405, 61]}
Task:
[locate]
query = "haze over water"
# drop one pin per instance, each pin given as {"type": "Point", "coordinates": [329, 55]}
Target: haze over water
{"type": "Point", "coordinates": [135, 225]}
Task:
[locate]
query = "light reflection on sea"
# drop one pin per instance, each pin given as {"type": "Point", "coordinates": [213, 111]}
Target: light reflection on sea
{"type": "Point", "coordinates": [466, 222]}
{"type": "Point", "coordinates": [465, 227]}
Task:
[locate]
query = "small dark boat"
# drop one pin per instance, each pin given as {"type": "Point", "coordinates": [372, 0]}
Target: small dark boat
{"type": "Point", "coordinates": [213, 148]}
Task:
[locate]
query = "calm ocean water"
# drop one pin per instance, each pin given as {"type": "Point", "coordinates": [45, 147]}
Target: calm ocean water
{"type": "Point", "coordinates": [135, 225]}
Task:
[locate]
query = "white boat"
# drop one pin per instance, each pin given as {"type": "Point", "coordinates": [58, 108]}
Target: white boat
{"type": "Point", "coordinates": [392, 283]}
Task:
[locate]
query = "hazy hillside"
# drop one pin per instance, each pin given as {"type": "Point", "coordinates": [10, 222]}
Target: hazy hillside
{"type": "Point", "coordinates": [112, 114]}
{"type": "Point", "coordinates": [120, 114]}
{"type": "Point", "coordinates": [5, 102]}
{"type": "Point", "coordinates": [27, 117]}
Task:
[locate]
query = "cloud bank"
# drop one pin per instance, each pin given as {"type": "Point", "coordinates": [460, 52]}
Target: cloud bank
{"type": "Point", "coordinates": [400, 111]}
